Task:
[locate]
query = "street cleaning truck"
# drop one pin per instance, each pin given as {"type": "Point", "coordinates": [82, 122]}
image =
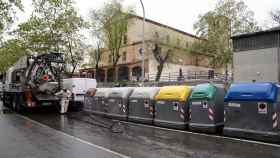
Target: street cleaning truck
{"type": "Point", "coordinates": [33, 81]}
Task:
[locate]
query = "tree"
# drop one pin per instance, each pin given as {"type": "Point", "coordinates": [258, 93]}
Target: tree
{"type": "Point", "coordinates": [10, 52]}
{"type": "Point", "coordinates": [7, 11]}
{"type": "Point", "coordinates": [71, 24]}
{"type": "Point", "coordinates": [160, 53]}
{"type": "Point", "coordinates": [75, 52]}
{"type": "Point", "coordinates": [203, 47]}
{"type": "Point", "coordinates": [275, 15]}
{"type": "Point", "coordinates": [230, 17]}
{"type": "Point", "coordinates": [112, 21]}
{"type": "Point", "coordinates": [161, 57]}
{"type": "Point", "coordinates": [54, 26]}
{"type": "Point", "coordinates": [95, 57]}
{"type": "Point", "coordinates": [215, 29]}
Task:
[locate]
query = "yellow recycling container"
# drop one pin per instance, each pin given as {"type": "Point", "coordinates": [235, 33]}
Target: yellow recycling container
{"type": "Point", "coordinates": [172, 107]}
{"type": "Point", "coordinates": [178, 93]}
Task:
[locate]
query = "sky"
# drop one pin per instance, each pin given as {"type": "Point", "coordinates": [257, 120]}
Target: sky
{"type": "Point", "coordinates": [180, 14]}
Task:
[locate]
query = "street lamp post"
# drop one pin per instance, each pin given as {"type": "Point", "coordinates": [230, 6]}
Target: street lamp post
{"type": "Point", "coordinates": [143, 43]}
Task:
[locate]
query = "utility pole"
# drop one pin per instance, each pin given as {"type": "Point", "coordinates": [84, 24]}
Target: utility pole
{"type": "Point", "coordinates": [143, 43]}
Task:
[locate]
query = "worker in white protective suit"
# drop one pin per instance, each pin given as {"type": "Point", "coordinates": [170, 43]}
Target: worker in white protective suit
{"type": "Point", "coordinates": [64, 95]}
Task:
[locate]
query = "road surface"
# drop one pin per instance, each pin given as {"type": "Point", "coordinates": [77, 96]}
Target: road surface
{"type": "Point", "coordinates": [23, 138]}
{"type": "Point", "coordinates": [140, 141]}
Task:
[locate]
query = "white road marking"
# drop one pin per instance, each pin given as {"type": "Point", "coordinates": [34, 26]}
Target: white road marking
{"type": "Point", "coordinates": [76, 138]}
{"type": "Point", "coordinates": [202, 134]}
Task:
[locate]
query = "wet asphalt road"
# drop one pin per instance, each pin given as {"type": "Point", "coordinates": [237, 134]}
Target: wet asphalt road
{"type": "Point", "coordinates": [22, 138]}
{"type": "Point", "coordinates": [129, 139]}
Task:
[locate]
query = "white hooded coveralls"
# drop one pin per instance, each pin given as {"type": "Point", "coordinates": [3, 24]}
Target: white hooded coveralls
{"type": "Point", "coordinates": [64, 101]}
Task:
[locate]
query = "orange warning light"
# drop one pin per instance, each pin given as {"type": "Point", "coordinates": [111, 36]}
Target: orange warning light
{"type": "Point", "coordinates": [45, 77]}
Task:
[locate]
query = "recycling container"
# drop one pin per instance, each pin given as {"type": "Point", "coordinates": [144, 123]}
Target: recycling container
{"type": "Point", "coordinates": [207, 108]}
{"type": "Point", "coordinates": [88, 99]}
{"type": "Point", "coordinates": [96, 103]}
{"type": "Point", "coordinates": [172, 106]}
{"type": "Point", "coordinates": [117, 103]}
{"type": "Point", "coordinates": [252, 111]}
{"type": "Point", "coordinates": [141, 104]}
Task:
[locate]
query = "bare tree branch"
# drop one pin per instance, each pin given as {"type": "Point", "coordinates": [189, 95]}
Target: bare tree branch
{"type": "Point", "coordinates": [275, 15]}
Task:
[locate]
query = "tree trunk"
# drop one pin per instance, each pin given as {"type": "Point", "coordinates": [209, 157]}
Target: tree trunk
{"type": "Point", "coordinates": [115, 73]}
{"type": "Point", "coordinates": [232, 68]}
{"type": "Point", "coordinates": [72, 58]}
{"type": "Point", "coordinates": [226, 75]}
{"type": "Point", "coordinates": [73, 70]}
{"type": "Point", "coordinates": [96, 72]}
{"type": "Point", "coordinates": [159, 71]}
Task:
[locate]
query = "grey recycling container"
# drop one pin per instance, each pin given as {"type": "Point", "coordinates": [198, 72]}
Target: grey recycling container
{"type": "Point", "coordinates": [117, 103]}
{"type": "Point", "coordinates": [96, 104]}
{"type": "Point", "coordinates": [141, 104]}
{"type": "Point", "coordinates": [207, 108]}
{"type": "Point", "coordinates": [252, 111]}
{"type": "Point", "coordinates": [172, 106]}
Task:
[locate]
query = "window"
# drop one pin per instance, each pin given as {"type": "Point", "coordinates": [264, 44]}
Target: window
{"type": "Point", "coordinates": [125, 39]}
{"type": "Point", "coordinates": [167, 39]}
{"type": "Point", "coordinates": [110, 58]}
{"type": "Point", "coordinates": [187, 44]}
{"type": "Point", "coordinates": [16, 76]}
{"type": "Point", "coordinates": [156, 35]}
{"type": "Point", "coordinates": [267, 40]}
{"type": "Point", "coordinates": [178, 42]}
{"type": "Point", "coordinates": [196, 61]}
{"type": "Point", "coordinates": [124, 56]}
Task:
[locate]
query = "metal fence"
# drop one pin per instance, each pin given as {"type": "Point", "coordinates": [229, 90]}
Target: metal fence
{"type": "Point", "coordinates": [159, 84]}
{"type": "Point", "coordinates": [189, 78]}
{"type": "Point", "coordinates": [185, 76]}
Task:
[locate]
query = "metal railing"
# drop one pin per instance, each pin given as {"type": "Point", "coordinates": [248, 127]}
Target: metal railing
{"type": "Point", "coordinates": [158, 84]}
{"type": "Point", "coordinates": [185, 76]}
{"type": "Point", "coordinates": [190, 78]}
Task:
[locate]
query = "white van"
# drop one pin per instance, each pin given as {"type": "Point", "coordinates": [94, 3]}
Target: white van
{"type": "Point", "coordinates": [78, 87]}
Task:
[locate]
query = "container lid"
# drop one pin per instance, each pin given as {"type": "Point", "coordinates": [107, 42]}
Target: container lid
{"type": "Point", "coordinates": [204, 91]}
{"type": "Point", "coordinates": [120, 92]}
{"type": "Point", "coordinates": [102, 92]}
{"type": "Point", "coordinates": [177, 93]}
{"type": "Point", "coordinates": [145, 92]}
{"type": "Point", "coordinates": [252, 92]}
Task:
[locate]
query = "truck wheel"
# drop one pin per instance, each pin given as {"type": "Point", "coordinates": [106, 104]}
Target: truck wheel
{"type": "Point", "coordinates": [7, 101]}
{"type": "Point", "coordinates": [16, 105]}
{"type": "Point", "coordinates": [4, 101]}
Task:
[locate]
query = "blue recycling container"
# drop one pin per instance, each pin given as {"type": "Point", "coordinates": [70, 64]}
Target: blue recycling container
{"type": "Point", "coordinates": [252, 111]}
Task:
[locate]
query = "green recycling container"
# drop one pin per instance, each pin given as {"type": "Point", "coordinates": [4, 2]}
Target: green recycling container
{"type": "Point", "coordinates": [207, 108]}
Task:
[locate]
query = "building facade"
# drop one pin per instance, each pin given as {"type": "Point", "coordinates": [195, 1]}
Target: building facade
{"type": "Point", "coordinates": [256, 56]}
{"type": "Point", "coordinates": [129, 64]}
